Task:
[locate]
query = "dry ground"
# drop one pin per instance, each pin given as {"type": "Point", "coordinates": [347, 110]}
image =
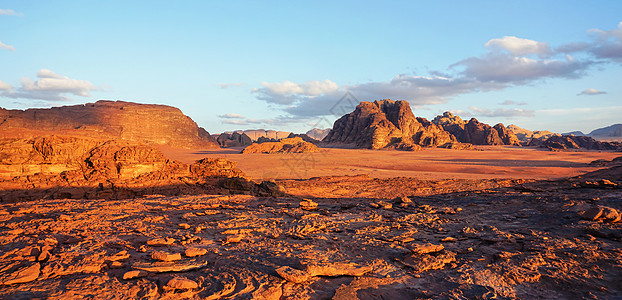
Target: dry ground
{"type": "Point", "coordinates": [435, 163]}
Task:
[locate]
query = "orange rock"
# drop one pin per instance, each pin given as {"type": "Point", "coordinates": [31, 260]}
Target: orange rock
{"type": "Point", "coordinates": [164, 256]}
{"type": "Point", "coordinates": [182, 284]}
{"type": "Point", "coordinates": [293, 275]}
{"type": "Point", "coordinates": [161, 242]}
{"type": "Point", "coordinates": [192, 252]}
{"type": "Point", "coordinates": [425, 248]}
{"type": "Point", "coordinates": [134, 274]}
{"type": "Point", "coordinates": [25, 274]}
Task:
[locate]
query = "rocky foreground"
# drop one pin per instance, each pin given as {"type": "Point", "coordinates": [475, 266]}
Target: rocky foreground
{"type": "Point", "coordinates": [456, 239]}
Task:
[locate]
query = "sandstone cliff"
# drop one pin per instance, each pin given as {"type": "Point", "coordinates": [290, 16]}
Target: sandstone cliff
{"type": "Point", "coordinates": [146, 123]}
{"type": "Point", "coordinates": [234, 139]}
{"type": "Point", "coordinates": [525, 135]}
{"type": "Point", "coordinates": [383, 123]}
{"type": "Point", "coordinates": [288, 145]}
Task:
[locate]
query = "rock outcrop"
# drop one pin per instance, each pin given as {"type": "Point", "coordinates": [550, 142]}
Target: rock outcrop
{"type": "Point", "coordinates": [256, 134]}
{"type": "Point", "coordinates": [475, 132]}
{"type": "Point", "coordinates": [73, 167]}
{"type": "Point", "coordinates": [234, 139]}
{"type": "Point", "coordinates": [566, 142]}
{"type": "Point", "coordinates": [145, 123]}
{"type": "Point", "coordinates": [318, 134]}
{"type": "Point", "coordinates": [525, 135]}
{"type": "Point", "coordinates": [288, 145]}
{"type": "Point", "coordinates": [383, 123]}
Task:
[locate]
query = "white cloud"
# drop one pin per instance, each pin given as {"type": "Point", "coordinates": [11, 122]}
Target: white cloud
{"type": "Point", "coordinates": [518, 46]}
{"type": "Point", "coordinates": [288, 92]}
{"type": "Point", "coordinates": [50, 86]}
{"type": "Point", "coordinates": [591, 92]}
{"type": "Point", "coordinates": [6, 47]}
{"type": "Point", "coordinates": [227, 85]}
{"type": "Point", "coordinates": [608, 44]}
{"type": "Point", "coordinates": [501, 112]}
{"type": "Point", "coordinates": [10, 12]}
{"type": "Point", "coordinates": [512, 102]}
{"type": "Point", "coordinates": [504, 68]}
{"type": "Point", "coordinates": [232, 116]}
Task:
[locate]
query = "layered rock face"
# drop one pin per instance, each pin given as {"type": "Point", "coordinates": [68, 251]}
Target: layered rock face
{"type": "Point", "coordinates": [565, 142]}
{"type": "Point", "coordinates": [145, 123]}
{"type": "Point", "coordinates": [475, 132]}
{"type": "Point", "coordinates": [288, 145]}
{"type": "Point", "coordinates": [73, 167]}
{"type": "Point", "coordinates": [383, 123]}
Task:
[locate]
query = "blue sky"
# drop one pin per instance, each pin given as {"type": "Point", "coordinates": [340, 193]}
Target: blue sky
{"type": "Point", "coordinates": [543, 65]}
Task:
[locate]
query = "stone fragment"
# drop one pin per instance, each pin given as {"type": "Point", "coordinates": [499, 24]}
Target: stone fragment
{"type": "Point", "coordinates": [192, 252]}
{"type": "Point", "coordinates": [184, 226]}
{"type": "Point", "coordinates": [134, 274]}
{"type": "Point", "coordinates": [449, 239]}
{"type": "Point", "coordinates": [308, 204]}
{"type": "Point", "coordinates": [425, 248]}
{"type": "Point", "coordinates": [337, 269]}
{"type": "Point", "coordinates": [161, 242]}
{"type": "Point", "coordinates": [293, 275]}
{"type": "Point", "coordinates": [22, 275]}
{"type": "Point", "coordinates": [161, 267]}
{"type": "Point", "coordinates": [164, 256]}
{"type": "Point", "coordinates": [602, 213]}
{"type": "Point", "coordinates": [182, 284]}
{"type": "Point", "coordinates": [421, 263]}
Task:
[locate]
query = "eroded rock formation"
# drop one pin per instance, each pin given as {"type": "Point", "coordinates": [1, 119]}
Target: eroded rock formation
{"type": "Point", "coordinates": [475, 132]}
{"type": "Point", "coordinates": [145, 123]}
{"type": "Point", "coordinates": [288, 145]}
{"type": "Point", "coordinates": [383, 123]}
{"type": "Point", "coordinates": [72, 167]}
{"type": "Point", "coordinates": [234, 139]}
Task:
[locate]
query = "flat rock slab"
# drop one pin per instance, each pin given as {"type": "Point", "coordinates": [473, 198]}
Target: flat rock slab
{"type": "Point", "coordinates": [161, 267]}
{"type": "Point", "coordinates": [182, 284]}
{"type": "Point", "coordinates": [22, 275]}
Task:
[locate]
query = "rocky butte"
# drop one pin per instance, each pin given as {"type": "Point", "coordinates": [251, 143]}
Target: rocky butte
{"type": "Point", "coordinates": [147, 123]}
{"type": "Point", "coordinates": [386, 124]}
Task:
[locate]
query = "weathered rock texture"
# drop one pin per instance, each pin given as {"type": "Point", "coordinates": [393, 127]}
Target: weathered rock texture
{"type": "Point", "coordinates": [145, 123]}
{"type": "Point", "coordinates": [288, 145]}
{"type": "Point", "coordinates": [72, 167]}
{"type": "Point", "coordinates": [475, 132]}
{"type": "Point", "coordinates": [566, 142]}
{"type": "Point", "coordinates": [383, 123]}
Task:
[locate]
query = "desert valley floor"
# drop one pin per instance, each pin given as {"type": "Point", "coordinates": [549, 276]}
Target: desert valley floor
{"type": "Point", "coordinates": [501, 223]}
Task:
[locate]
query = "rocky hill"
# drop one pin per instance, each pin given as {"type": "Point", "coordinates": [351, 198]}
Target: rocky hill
{"type": "Point", "coordinates": [287, 145]}
{"type": "Point", "coordinates": [256, 134]}
{"type": "Point", "coordinates": [567, 142]}
{"type": "Point", "coordinates": [385, 123]}
{"type": "Point", "coordinates": [146, 123]}
{"type": "Point", "coordinates": [524, 135]}
{"type": "Point", "coordinates": [318, 134]}
{"type": "Point", "coordinates": [234, 139]}
{"type": "Point", "coordinates": [475, 132]}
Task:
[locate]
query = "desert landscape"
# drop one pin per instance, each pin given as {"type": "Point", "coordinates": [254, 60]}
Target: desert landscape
{"type": "Point", "coordinates": [131, 214]}
{"type": "Point", "coordinates": [310, 150]}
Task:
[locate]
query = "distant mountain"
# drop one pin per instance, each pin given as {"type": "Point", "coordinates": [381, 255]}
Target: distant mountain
{"type": "Point", "coordinates": [318, 134]}
{"type": "Point", "coordinates": [609, 131]}
{"type": "Point", "coordinates": [256, 134]}
{"type": "Point", "coordinates": [575, 133]}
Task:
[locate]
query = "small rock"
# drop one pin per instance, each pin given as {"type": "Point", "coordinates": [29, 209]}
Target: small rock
{"type": "Point", "coordinates": [234, 239]}
{"type": "Point", "coordinates": [307, 204]}
{"type": "Point", "coordinates": [337, 269]}
{"type": "Point", "coordinates": [164, 256]}
{"type": "Point", "coordinates": [182, 284]}
{"type": "Point", "coordinates": [64, 218]}
{"type": "Point", "coordinates": [293, 275]}
{"type": "Point", "coordinates": [134, 274]}
{"type": "Point", "coordinates": [184, 226]}
{"type": "Point", "coordinates": [44, 255]}
{"type": "Point", "coordinates": [602, 213]}
{"type": "Point", "coordinates": [403, 200]}
{"type": "Point", "coordinates": [449, 239]}
{"type": "Point", "coordinates": [425, 248]}
{"type": "Point", "coordinates": [192, 252]}
{"type": "Point", "coordinates": [161, 242]}
{"type": "Point", "coordinates": [116, 265]}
